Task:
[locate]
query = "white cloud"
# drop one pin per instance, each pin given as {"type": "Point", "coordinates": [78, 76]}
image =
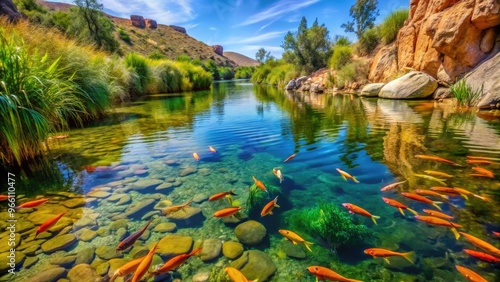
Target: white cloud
{"type": "Point", "coordinates": [276, 10]}
{"type": "Point", "coordinates": [212, 28]}
{"type": "Point", "coordinates": [255, 39]}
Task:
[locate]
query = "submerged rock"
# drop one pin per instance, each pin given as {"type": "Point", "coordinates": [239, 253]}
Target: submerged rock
{"type": "Point", "coordinates": [137, 210]}
{"type": "Point", "coordinates": [250, 232]}
{"type": "Point", "coordinates": [255, 264]}
{"type": "Point", "coordinates": [172, 245]}
{"type": "Point", "coordinates": [293, 251]}
{"type": "Point", "coordinates": [210, 249]}
{"type": "Point", "coordinates": [190, 216]}
{"type": "Point", "coordinates": [58, 243]}
{"type": "Point", "coordinates": [165, 227]}
{"type": "Point", "coordinates": [232, 250]}
{"type": "Point", "coordinates": [85, 256]}
{"type": "Point", "coordinates": [63, 261]}
{"type": "Point", "coordinates": [107, 252]}
{"type": "Point", "coordinates": [372, 89]}
{"type": "Point", "coordinates": [5, 261]}
{"type": "Point", "coordinates": [74, 203]}
{"type": "Point", "coordinates": [49, 275]}
{"type": "Point", "coordinates": [82, 272]}
{"type": "Point", "coordinates": [187, 171]}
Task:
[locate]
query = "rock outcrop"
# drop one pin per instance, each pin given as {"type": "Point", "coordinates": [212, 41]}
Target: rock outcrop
{"type": "Point", "coordinates": [151, 23]}
{"type": "Point", "coordinates": [413, 85]}
{"type": "Point", "coordinates": [384, 64]}
{"type": "Point", "coordinates": [8, 9]}
{"type": "Point", "coordinates": [138, 21]}
{"type": "Point", "coordinates": [179, 29]}
{"type": "Point", "coordinates": [487, 77]}
{"type": "Point", "coordinates": [218, 49]}
{"type": "Point", "coordinates": [447, 38]}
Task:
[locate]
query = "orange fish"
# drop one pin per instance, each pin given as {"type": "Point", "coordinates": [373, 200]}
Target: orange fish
{"type": "Point", "coordinates": [353, 209]}
{"type": "Point", "coordinates": [211, 149]}
{"type": "Point", "coordinates": [437, 214]}
{"type": "Point", "coordinates": [323, 273]}
{"type": "Point", "coordinates": [169, 210]}
{"type": "Point", "coordinates": [496, 233]}
{"type": "Point", "coordinates": [481, 158]}
{"type": "Point", "coordinates": [470, 275]}
{"type": "Point", "coordinates": [130, 240]}
{"type": "Point", "coordinates": [398, 205]}
{"type": "Point", "coordinates": [430, 193]}
{"type": "Point", "coordinates": [421, 199]}
{"type": "Point", "coordinates": [440, 222]}
{"type": "Point", "coordinates": [484, 171]}
{"type": "Point", "coordinates": [236, 275]}
{"type": "Point", "coordinates": [227, 211]}
{"type": "Point", "coordinates": [4, 197]}
{"type": "Point", "coordinates": [196, 157]}
{"type": "Point", "coordinates": [346, 175]}
{"type": "Point", "coordinates": [383, 253]}
{"type": "Point", "coordinates": [481, 197]}
{"type": "Point", "coordinates": [437, 173]}
{"type": "Point", "coordinates": [175, 262]}
{"type": "Point", "coordinates": [483, 245]}
{"type": "Point", "coordinates": [278, 174]}
{"type": "Point", "coordinates": [127, 268]}
{"type": "Point", "coordinates": [268, 208]}
{"type": "Point", "coordinates": [447, 190]}
{"type": "Point", "coordinates": [32, 204]}
{"type": "Point", "coordinates": [49, 223]}
{"type": "Point", "coordinates": [295, 238]}
{"type": "Point", "coordinates": [481, 162]}
{"type": "Point", "coordinates": [482, 256]}
{"type": "Point", "coordinates": [89, 168]}
{"type": "Point", "coordinates": [289, 158]}
{"type": "Point", "coordinates": [144, 265]}
{"type": "Point", "coordinates": [221, 195]}
{"type": "Point", "coordinates": [437, 159]}
{"type": "Point", "coordinates": [480, 175]}
{"type": "Point", "coordinates": [259, 184]}
{"type": "Point", "coordinates": [392, 186]}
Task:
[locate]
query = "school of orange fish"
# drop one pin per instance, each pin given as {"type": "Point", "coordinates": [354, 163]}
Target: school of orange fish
{"type": "Point", "coordinates": [140, 266]}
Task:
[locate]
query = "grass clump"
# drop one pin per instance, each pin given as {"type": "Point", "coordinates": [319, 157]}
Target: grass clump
{"type": "Point", "coordinates": [368, 41]}
{"type": "Point", "coordinates": [466, 96]}
{"type": "Point", "coordinates": [124, 35]}
{"type": "Point", "coordinates": [329, 224]}
{"type": "Point", "coordinates": [275, 73]}
{"type": "Point", "coordinates": [389, 28]}
{"type": "Point", "coordinates": [256, 197]}
{"type": "Point", "coordinates": [138, 65]}
{"type": "Point", "coordinates": [342, 55]}
{"type": "Point", "coordinates": [244, 72]}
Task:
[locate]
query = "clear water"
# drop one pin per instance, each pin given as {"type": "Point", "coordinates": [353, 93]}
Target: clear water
{"type": "Point", "coordinates": [254, 129]}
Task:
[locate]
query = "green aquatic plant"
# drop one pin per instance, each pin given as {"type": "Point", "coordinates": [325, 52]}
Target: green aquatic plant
{"type": "Point", "coordinates": [466, 96]}
{"type": "Point", "coordinates": [256, 197]}
{"type": "Point", "coordinates": [328, 224]}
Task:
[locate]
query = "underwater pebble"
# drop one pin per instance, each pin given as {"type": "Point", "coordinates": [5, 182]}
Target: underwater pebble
{"type": "Point", "coordinates": [107, 252]}
{"type": "Point", "coordinates": [232, 250]}
{"type": "Point", "coordinates": [49, 275]}
{"type": "Point", "coordinates": [82, 272]}
{"type": "Point", "coordinates": [250, 232]}
{"type": "Point", "coordinates": [63, 261]}
{"type": "Point", "coordinates": [30, 261]}
{"type": "Point", "coordinates": [210, 249]}
{"type": "Point", "coordinates": [165, 227]}
{"type": "Point", "coordinates": [255, 264]}
{"type": "Point", "coordinates": [85, 256]}
{"type": "Point", "coordinates": [121, 233]}
{"type": "Point", "coordinates": [58, 243]}
{"type": "Point", "coordinates": [172, 245]}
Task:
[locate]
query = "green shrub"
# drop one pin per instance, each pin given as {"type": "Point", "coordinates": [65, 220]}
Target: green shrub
{"type": "Point", "coordinates": [183, 58]}
{"type": "Point", "coordinates": [355, 71]}
{"type": "Point", "coordinates": [139, 66]}
{"type": "Point", "coordinates": [276, 73]}
{"type": "Point", "coordinates": [156, 55]}
{"type": "Point", "coordinates": [226, 73]}
{"type": "Point", "coordinates": [465, 95]}
{"type": "Point", "coordinates": [119, 79]}
{"type": "Point", "coordinates": [244, 72]}
{"type": "Point", "coordinates": [329, 224]}
{"type": "Point", "coordinates": [389, 28]}
{"type": "Point", "coordinates": [368, 41]}
{"type": "Point", "coordinates": [194, 77]}
{"type": "Point", "coordinates": [167, 77]}
{"type": "Point", "coordinates": [341, 56]}
{"type": "Point", "coordinates": [123, 35]}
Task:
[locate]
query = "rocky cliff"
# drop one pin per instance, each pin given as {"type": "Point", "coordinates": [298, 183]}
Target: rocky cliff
{"type": "Point", "coordinates": [8, 9]}
{"type": "Point", "coordinates": [444, 38]}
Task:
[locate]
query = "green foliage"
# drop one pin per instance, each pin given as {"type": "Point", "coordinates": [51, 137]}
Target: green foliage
{"type": "Point", "coordinates": [276, 73]}
{"type": "Point", "coordinates": [340, 40]}
{"type": "Point", "coordinates": [256, 197]}
{"type": "Point", "coordinates": [368, 41]}
{"type": "Point", "coordinates": [123, 35]}
{"type": "Point", "coordinates": [364, 13]}
{"type": "Point", "coordinates": [355, 71]}
{"type": "Point", "coordinates": [183, 58]}
{"type": "Point", "coordinates": [226, 73]}
{"type": "Point", "coordinates": [194, 77]}
{"type": "Point", "coordinates": [60, 20]}
{"type": "Point", "coordinates": [156, 55]}
{"type": "Point", "coordinates": [329, 224]}
{"type": "Point", "coordinates": [308, 48]}
{"type": "Point", "coordinates": [466, 96]}
{"type": "Point", "coordinates": [244, 72]}
{"type": "Point", "coordinates": [166, 77]}
{"type": "Point", "coordinates": [389, 28]}
{"type": "Point", "coordinates": [212, 67]}
{"type": "Point", "coordinates": [342, 55]}
{"type": "Point", "coordinates": [262, 55]}
{"type": "Point", "coordinates": [138, 65]}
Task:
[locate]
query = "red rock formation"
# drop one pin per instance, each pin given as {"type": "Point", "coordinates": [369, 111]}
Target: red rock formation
{"type": "Point", "coordinates": [218, 50]}
{"type": "Point", "coordinates": [178, 28]}
{"type": "Point", "coordinates": [9, 9]}
{"type": "Point", "coordinates": [138, 21]}
{"type": "Point", "coordinates": [151, 23]}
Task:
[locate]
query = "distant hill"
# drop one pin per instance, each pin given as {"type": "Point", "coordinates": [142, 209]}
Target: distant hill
{"type": "Point", "coordinates": [241, 60]}
{"type": "Point", "coordinates": [164, 39]}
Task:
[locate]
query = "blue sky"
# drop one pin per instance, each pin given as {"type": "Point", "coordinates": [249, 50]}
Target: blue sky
{"type": "Point", "coordinates": [244, 26]}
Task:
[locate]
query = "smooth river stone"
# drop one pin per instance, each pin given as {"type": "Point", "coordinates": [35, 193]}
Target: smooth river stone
{"type": "Point", "coordinates": [63, 261]}
{"type": "Point", "coordinates": [210, 249]}
{"type": "Point", "coordinates": [187, 171]}
{"type": "Point", "coordinates": [30, 261]}
{"type": "Point", "coordinates": [74, 203]}
{"type": "Point", "coordinates": [124, 200]}
{"type": "Point", "coordinates": [85, 255]}
{"type": "Point", "coordinates": [193, 214]}
{"type": "Point", "coordinates": [49, 275]}
{"type": "Point", "coordinates": [23, 226]}
{"type": "Point", "coordinates": [4, 260]}
{"type": "Point", "coordinates": [82, 272]}
{"type": "Point", "coordinates": [4, 242]}
{"type": "Point", "coordinates": [98, 194]}
{"type": "Point", "coordinates": [58, 243]}
{"type": "Point", "coordinates": [165, 227]}
{"type": "Point", "coordinates": [136, 210]}
{"type": "Point", "coordinates": [232, 250]}
{"type": "Point", "coordinates": [107, 252]}
{"type": "Point", "coordinates": [31, 250]}
{"type": "Point", "coordinates": [145, 184]}
{"type": "Point", "coordinates": [83, 222]}
{"type": "Point", "coordinates": [86, 234]}
{"type": "Point", "coordinates": [115, 197]}
{"type": "Point", "coordinates": [255, 264]}
{"type": "Point", "coordinates": [164, 186]}
{"type": "Point", "coordinates": [172, 245]}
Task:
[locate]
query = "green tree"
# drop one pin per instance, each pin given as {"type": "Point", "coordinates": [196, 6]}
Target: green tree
{"type": "Point", "coordinates": [308, 48]}
{"type": "Point", "coordinates": [364, 13]}
{"type": "Point", "coordinates": [262, 55]}
{"type": "Point", "coordinates": [99, 28]}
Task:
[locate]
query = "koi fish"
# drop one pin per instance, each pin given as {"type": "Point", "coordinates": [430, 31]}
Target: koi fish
{"type": "Point", "coordinates": [4, 197]}
{"type": "Point", "coordinates": [421, 199]}
{"type": "Point", "coordinates": [470, 275]}
{"type": "Point", "coordinates": [440, 222]}
{"type": "Point", "coordinates": [227, 211]}
{"type": "Point", "coordinates": [437, 214]}
{"type": "Point", "coordinates": [484, 171]}
{"type": "Point", "coordinates": [431, 178]}
{"type": "Point", "coordinates": [392, 186]}
{"type": "Point", "coordinates": [398, 205]}
{"type": "Point", "coordinates": [259, 184]}
{"type": "Point", "coordinates": [436, 159]}
{"type": "Point", "coordinates": [268, 208]}
{"type": "Point", "coordinates": [211, 149]}
{"type": "Point", "coordinates": [480, 175]}
{"type": "Point", "coordinates": [431, 193]}
{"type": "Point", "coordinates": [463, 192]}
{"type": "Point", "coordinates": [289, 158]}
{"type": "Point", "coordinates": [346, 175]}
{"type": "Point", "coordinates": [196, 157]}
{"type": "Point", "coordinates": [483, 245]}
{"type": "Point", "coordinates": [383, 253]}
{"type": "Point", "coordinates": [496, 233]}
{"type": "Point", "coordinates": [144, 265]}
{"type": "Point", "coordinates": [49, 223]}
{"type": "Point", "coordinates": [478, 162]}
{"type": "Point", "coordinates": [353, 209]}
{"type": "Point", "coordinates": [175, 262]}
{"type": "Point", "coordinates": [447, 190]}
{"type": "Point", "coordinates": [236, 275]}
{"type": "Point", "coordinates": [169, 210]}
{"type": "Point", "coordinates": [278, 174]}
{"type": "Point", "coordinates": [221, 195]}
{"type": "Point", "coordinates": [482, 256]}
{"type": "Point", "coordinates": [437, 173]}
{"type": "Point", "coordinates": [130, 240]}
{"type": "Point", "coordinates": [127, 268]}
{"type": "Point", "coordinates": [323, 273]}
{"type": "Point", "coordinates": [32, 204]}
{"type": "Point", "coordinates": [294, 238]}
